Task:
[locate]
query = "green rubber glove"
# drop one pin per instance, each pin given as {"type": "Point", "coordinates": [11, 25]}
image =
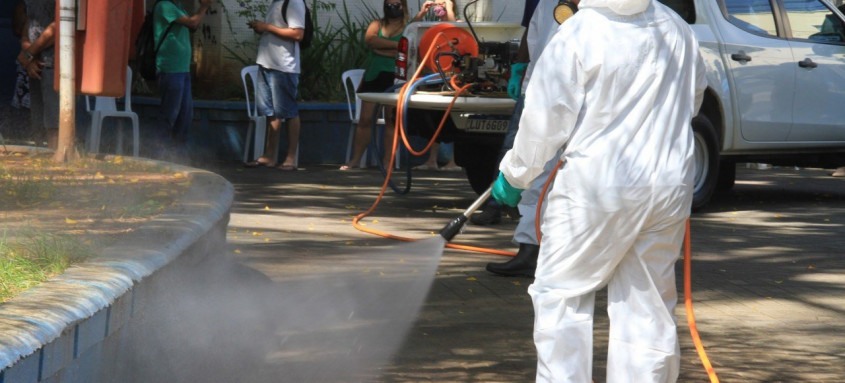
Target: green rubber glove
{"type": "Point", "coordinates": [515, 83]}
{"type": "Point", "coordinates": [504, 193]}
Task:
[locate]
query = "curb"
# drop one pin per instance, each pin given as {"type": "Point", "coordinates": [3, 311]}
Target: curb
{"type": "Point", "coordinates": [40, 315]}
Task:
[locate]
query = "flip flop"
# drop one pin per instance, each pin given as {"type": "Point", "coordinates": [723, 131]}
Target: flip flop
{"type": "Point", "coordinates": [286, 168]}
{"type": "Point", "coordinates": [257, 164]}
{"type": "Point", "coordinates": [425, 167]}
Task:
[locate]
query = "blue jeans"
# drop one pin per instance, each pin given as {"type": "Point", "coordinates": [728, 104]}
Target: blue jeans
{"type": "Point", "coordinates": [277, 94]}
{"type": "Point", "coordinates": [177, 105]}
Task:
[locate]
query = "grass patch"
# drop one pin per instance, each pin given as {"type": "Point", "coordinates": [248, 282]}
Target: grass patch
{"type": "Point", "coordinates": [36, 257]}
{"type": "Point", "coordinates": [54, 215]}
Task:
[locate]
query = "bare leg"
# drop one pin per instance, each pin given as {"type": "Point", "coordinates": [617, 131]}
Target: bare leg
{"type": "Point", "coordinates": [388, 138]}
{"type": "Point", "coordinates": [363, 133]}
{"type": "Point", "coordinates": [293, 141]}
{"type": "Point", "coordinates": [271, 148]}
{"type": "Point", "coordinates": [431, 162]}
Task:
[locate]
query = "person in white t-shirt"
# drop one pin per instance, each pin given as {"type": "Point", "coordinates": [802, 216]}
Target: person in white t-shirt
{"type": "Point", "coordinates": [278, 79]}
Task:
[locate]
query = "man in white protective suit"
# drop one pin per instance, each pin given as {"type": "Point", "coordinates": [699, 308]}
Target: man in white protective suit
{"type": "Point", "coordinates": [616, 88]}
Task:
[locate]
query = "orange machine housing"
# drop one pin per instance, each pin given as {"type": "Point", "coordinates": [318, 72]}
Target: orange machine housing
{"type": "Point", "coordinates": [104, 40]}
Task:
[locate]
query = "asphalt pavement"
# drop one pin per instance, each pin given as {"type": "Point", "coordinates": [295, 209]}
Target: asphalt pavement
{"type": "Point", "coordinates": [768, 277]}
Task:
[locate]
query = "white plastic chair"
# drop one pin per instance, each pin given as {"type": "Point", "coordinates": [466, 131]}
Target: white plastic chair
{"type": "Point", "coordinates": [105, 107]}
{"type": "Point", "coordinates": [351, 79]}
{"type": "Point", "coordinates": [258, 124]}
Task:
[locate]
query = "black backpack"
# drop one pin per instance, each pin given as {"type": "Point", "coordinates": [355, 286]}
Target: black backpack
{"type": "Point", "coordinates": [146, 47]}
{"type": "Point", "coordinates": [308, 35]}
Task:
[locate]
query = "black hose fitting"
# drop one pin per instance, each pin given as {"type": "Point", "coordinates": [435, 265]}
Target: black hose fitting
{"type": "Point", "coordinates": [453, 228]}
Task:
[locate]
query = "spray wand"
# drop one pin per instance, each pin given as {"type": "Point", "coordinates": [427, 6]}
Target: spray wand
{"type": "Point", "coordinates": [455, 226]}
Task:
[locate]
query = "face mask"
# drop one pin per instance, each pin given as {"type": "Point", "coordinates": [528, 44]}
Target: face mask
{"type": "Point", "coordinates": [439, 10]}
{"type": "Point", "coordinates": [393, 11]}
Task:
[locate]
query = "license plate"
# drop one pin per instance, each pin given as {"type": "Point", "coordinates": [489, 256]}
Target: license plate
{"type": "Point", "coordinates": [479, 124]}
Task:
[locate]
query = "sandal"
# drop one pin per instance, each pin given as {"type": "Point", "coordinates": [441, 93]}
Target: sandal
{"type": "Point", "coordinates": [286, 168]}
{"type": "Point", "coordinates": [258, 163]}
{"type": "Point", "coordinates": [425, 167]}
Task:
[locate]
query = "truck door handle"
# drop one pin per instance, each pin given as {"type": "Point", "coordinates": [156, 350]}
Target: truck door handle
{"type": "Point", "coordinates": [807, 63]}
{"type": "Point", "coordinates": [740, 56]}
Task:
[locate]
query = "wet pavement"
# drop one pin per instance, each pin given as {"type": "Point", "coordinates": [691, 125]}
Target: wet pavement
{"type": "Point", "coordinates": [768, 274]}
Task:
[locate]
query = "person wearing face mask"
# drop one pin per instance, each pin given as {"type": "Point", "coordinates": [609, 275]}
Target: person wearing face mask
{"type": "Point", "coordinates": [440, 10]}
{"type": "Point", "coordinates": [382, 37]}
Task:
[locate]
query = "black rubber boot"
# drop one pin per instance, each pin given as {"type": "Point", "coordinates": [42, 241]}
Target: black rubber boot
{"type": "Point", "coordinates": [523, 264]}
{"type": "Point", "coordinates": [491, 214]}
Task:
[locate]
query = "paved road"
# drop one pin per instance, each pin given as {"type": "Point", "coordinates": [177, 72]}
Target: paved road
{"type": "Point", "coordinates": [768, 280]}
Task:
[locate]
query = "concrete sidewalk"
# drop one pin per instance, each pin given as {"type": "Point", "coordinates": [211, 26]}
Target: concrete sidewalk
{"type": "Point", "coordinates": [768, 273]}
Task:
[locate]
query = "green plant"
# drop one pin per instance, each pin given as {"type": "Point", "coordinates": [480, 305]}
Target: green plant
{"type": "Point", "coordinates": [244, 47]}
{"type": "Point", "coordinates": [334, 50]}
{"type": "Point", "coordinates": [35, 258]}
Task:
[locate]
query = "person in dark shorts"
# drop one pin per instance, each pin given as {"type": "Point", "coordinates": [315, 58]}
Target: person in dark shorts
{"type": "Point", "coordinates": [382, 37]}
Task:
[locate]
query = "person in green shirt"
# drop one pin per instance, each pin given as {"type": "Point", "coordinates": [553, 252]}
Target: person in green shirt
{"type": "Point", "coordinates": [173, 62]}
{"type": "Point", "coordinates": [382, 37]}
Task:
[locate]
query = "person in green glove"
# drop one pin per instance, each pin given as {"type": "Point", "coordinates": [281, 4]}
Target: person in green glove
{"type": "Point", "coordinates": [541, 28]}
{"type": "Point", "coordinates": [515, 82]}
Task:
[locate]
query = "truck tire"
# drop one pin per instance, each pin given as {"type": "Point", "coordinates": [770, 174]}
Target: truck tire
{"type": "Point", "coordinates": [480, 163]}
{"type": "Point", "coordinates": [706, 158]}
{"type": "Point", "coordinates": [727, 176]}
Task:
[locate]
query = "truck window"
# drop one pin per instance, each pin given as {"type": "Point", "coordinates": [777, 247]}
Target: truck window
{"type": "Point", "coordinates": [812, 20]}
{"type": "Point", "coordinates": [755, 16]}
{"type": "Point", "coordinates": [684, 8]}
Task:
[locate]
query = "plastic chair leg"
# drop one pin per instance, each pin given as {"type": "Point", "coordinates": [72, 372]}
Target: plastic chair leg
{"type": "Point", "coordinates": [136, 136]}
{"type": "Point", "coordinates": [350, 143]}
{"type": "Point", "coordinates": [260, 136]}
{"type": "Point", "coordinates": [94, 133]}
{"type": "Point", "coordinates": [247, 140]}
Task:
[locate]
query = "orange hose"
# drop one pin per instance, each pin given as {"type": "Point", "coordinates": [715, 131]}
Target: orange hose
{"type": "Point", "coordinates": [539, 210]}
{"type": "Point", "coordinates": [399, 132]}
{"type": "Point", "coordinates": [696, 339]}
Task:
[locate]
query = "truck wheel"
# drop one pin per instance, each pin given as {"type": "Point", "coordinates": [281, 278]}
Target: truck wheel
{"type": "Point", "coordinates": [727, 176]}
{"type": "Point", "coordinates": [480, 163]}
{"type": "Point", "coordinates": [706, 158]}
{"type": "Point", "coordinates": [480, 177]}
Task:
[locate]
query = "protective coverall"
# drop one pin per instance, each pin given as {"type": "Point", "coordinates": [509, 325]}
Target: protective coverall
{"type": "Point", "coordinates": [616, 88]}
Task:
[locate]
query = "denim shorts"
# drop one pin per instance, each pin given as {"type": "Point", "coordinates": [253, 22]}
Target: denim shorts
{"type": "Point", "coordinates": [277, 93]}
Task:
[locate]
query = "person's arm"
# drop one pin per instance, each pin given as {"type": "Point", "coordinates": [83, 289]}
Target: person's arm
{"type": "Point", "coordinates": [378, 44]}
{"type": "Point", "coordinates": [295, 30]}
{"type": "Point", "coordinates": [423, 10]}
{"type": "Point", "coordinates": [30, 50]}
{"type": "Point", "coordinates": [522, 52]}
{"type": "Point", "coordinates": [193, 21]}
{"type": "Point", "coordinates": [294, 34]}
{"type": "Point", "coordinates": [24, 58]}
{"type": "Point", "coordinates": [450, 10]}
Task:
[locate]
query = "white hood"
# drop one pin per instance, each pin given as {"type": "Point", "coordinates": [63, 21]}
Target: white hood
{"type": "Point", "coordinates": [622, 7]}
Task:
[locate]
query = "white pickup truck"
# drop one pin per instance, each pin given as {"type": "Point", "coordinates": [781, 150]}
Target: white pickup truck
{"type": "Point", "coordinates": [776, 74]}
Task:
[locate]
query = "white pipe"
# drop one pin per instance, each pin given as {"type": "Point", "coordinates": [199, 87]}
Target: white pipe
{"type": "Point", "coordinates": [67, 71]}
